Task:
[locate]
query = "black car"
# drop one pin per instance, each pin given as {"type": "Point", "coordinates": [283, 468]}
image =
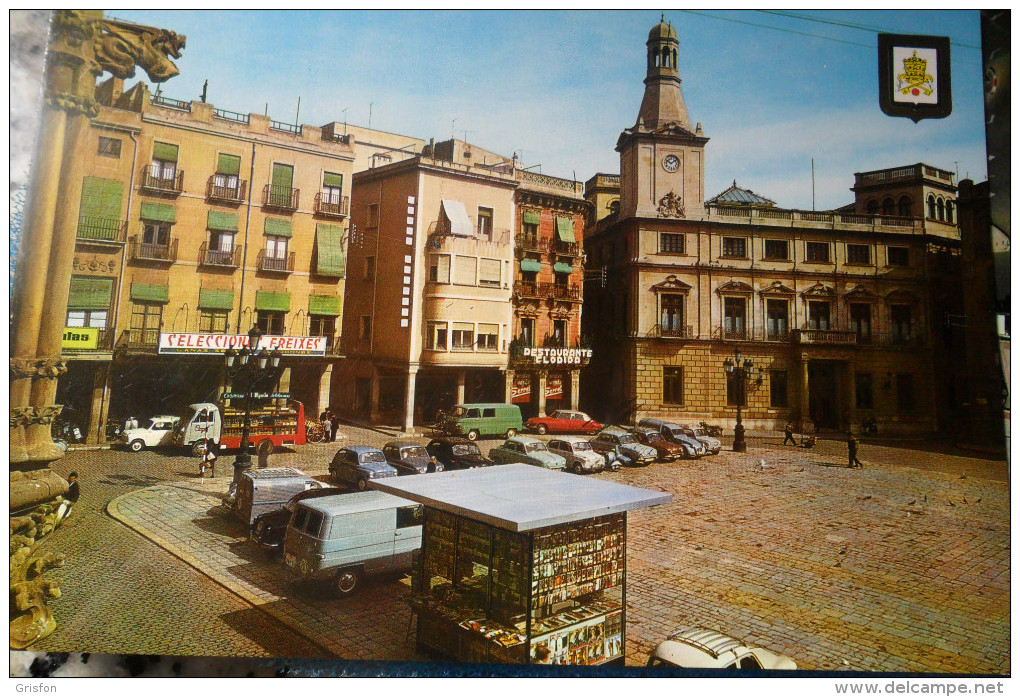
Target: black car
{"type": "Point", "coordinates": [270, 528]}
{"type": "Point", "coordinates": [410, 457]}
{"type": "Point", "coordinates": [457, 453]}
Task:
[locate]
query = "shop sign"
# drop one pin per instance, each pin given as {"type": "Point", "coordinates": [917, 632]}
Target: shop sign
{"type": "Point", "coordinates": [557, 356]}
{"type": "Point", "coordinates": [520, 391]}
{"type": "Point", "coordinates": [255, 395]}
{"type": "Point", "coordinates": [554, 386]}
{"type": "Point", "coordinates": [80, 338]}
{"type": "Point", "coordinates": [211, 344]}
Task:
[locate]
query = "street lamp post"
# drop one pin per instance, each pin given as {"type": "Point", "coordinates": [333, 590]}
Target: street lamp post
{"type": "Point", "coordinates": [743, 370]}
{"type": "Point", "coordinates": [248, 366]}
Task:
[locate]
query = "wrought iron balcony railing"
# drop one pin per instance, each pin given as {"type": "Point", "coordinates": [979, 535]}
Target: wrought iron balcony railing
{"type": "Point", "coordinates": [561, 292]}
{"type": "Point", "coordinates": [530, 243]}
{"type": "Point", "coordinates": [140, 339]}
{"type": "Point", "coordinates": [334, 206]}
{"type": "Point", "coordinates": [681, 332]}
{"type": "Point", "coordinates": [568, 249]}
{"type": "Point", "coordinates": [284, 264]}
{"type": "Point", "coordinates": [101, 230]}
{"type": "Point", "coordinates": [216, 257]}
{"type": "Point", "coordinates": [143, 251]}
{"type": "Point", "coordinates": [228, 194]}
{"type": "Point", "coordinates": [280, 197]}
{"type": "Point", "coordinates": [527, 289]}
{"type": "Point", "coordinates": [156, 179]}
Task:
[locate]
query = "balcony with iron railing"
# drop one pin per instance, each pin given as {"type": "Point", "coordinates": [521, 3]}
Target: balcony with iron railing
{"type": "Point", "coordinates": [275, 264]}
{"type": "Point", "coordinates": [215, 257]}
{"type": "Point", "coordinates": [144, 251]}
{"type": "Point", "coordinates": [527, 289]}
{"type": "Point", "coordinates": [525, 242]}
{"type": "Point", "coordinates": [160, 100]}
{"type": "Point", "coordinates": [815, 335]}
{"type": "Point", "coordinates": [566, 249]}
{"type": "Point", "coordinates": [282, 198]}
{"type": "Point", "coordinates": [93, 230]}
{"type": "Point", "coordinates": [559, 291]}
{"type": "Point", "coordinates": [440, 232]}
{"type": "Point", "coordinates": [157, 180]}
{"type": "Point", "coordinates": [226, 194]}
{"type": "Point", "coordinates": [681, 332]}
{"type": "Point", "coordinates": [140, 340]}
{"type": "Point", "coordinates": [333, 206]}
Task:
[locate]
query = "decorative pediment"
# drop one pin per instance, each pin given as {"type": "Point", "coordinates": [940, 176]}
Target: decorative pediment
{"type": "Point", "coordinates": [901, 297]}
{"type": "Point", "coordinates": [860, 293]}
{"type": "Point", "coordinates": [776, 288]}
{"type": "Point", "coordinates": [561, 311]}
{"type": "Point", "coordinates": [820, 289]}
{"type": "Point", "coordinates": [672, 284]}
{"type": "Point", "coordinates": [527, 308]}
{"type": "Point", "coordinates": [735, 287]}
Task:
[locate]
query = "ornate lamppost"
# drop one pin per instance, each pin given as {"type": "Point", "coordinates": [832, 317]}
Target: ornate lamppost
{"type": "Point", "coordinates": [743, 370]}
{"type": "Point", "coordinates": [247, 367]}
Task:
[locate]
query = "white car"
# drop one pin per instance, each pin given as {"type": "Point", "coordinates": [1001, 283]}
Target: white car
{"type": "Point", "coordinates": [158, 432]}
{"type": "Point", "coordinates": [580, 456]}
{"type": "Point", "coordinates": [705, 648]}
{"type": "Point", "coordinates": [714, 445]}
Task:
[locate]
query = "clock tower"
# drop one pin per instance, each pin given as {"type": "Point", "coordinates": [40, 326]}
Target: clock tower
{"type": "Point", "coordinates": [662, 163]}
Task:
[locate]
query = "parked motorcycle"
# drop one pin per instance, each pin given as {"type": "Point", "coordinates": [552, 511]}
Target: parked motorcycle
{"type": "Point", "coordinates": [714, 431]}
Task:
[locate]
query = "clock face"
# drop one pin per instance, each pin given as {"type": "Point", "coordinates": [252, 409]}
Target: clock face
{"type": "Point", "coordinates": [670, 163]}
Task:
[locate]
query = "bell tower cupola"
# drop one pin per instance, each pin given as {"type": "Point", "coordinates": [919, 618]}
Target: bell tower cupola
{"type": "Point", "coordinates": [663, 101]}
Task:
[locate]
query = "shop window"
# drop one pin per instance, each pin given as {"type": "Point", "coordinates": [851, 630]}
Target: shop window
{"type": "Point", "coordinates": [270, 322]}
{"type": "Point", "coordinates": [485, 223]}
{"type": "Point", "coordinates": [436, 337]}
{"type": "Point", "coordinates": [109, 147]}
{"type": "Point", "coordinates": [864, 394]}
{"type": "Point", "coordinates": [488, 337]}
{"type": "Point", "coordinates": [146, 320]}
{"type": "Point", "coordinates": [898, 256]}
{"type": "Point", "coordinates": [858, 254]}
{"type": "Point", "coordinates": [777, 249]}
{"type": "Point", "coordinates": [734, 318]}
{"type": "Point", "coordinates": [671, 314]}
{"type": "Point", "coordinates": [490, 272]}
{"type": "Point", "coordinates": [671, 243]}
{"type": "Point", "coordinates": [734, 247]}
{"type": "Point", "coordinates": [87, 318]}
{"type": "Point", "coordinates": [366, 328]}
{"type": "Point", "coordinates": [818, 315]}
{"type": "Point", "coordinates": [673, 385]}
{"type": "Point", "coordinates": [905, 392]}
{"type": "Point", "coordinates": [369, 268]}
{"type": "Point", "coordinates": [900, 318]}
{"type": "Point", "coordinates": [391, 393]}
{"type": "Point", "coordinates": [213, 321]}
{"type": "Point", "coordinates": [439, 268]}
{"type": "Point", "coordinates": [463, 337]}
{"type": "Point", "coordinates": [322, 325]}
{"type": "Point", "coordinates": [817, 251]}
{"type": "Point", "coordinates": [860, 322]}
{"type": "Point", "coordinates": [527, 336]}
{"type": "Point", "coordinates": [777, 389]}
{"type": "Point", "coordinates": [905, 206]}
{"type": "Point", "coordinates": [559, 334]}
{"type": "Point", "coordinates": [465, 270]}
{"type": "Point", "coordinates": [777, 319]}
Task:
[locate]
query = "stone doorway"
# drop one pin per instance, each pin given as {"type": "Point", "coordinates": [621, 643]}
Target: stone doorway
{"type": "Point", "coordinates": [823, 394]}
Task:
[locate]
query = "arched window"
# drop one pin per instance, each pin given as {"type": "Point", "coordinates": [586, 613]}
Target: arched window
{"type": "Point", "coordinates": [658, 59]}
{"type": "Point", "coordinates": [931, 207]}
{"type": "Point", "coordinates": [905, 206]}
{"type": "Point", "coordinates": [872, 207]}
{"type": "Point", "coordinates": [614, 206]}
{"type": "Point", "coordinates": [940, 209]}
{"type": "Point", "coordinates": [950, 209]}
{"type": "Point", "coordinates": [888, 207]}
{"type": "Point", "coordinates": [674, 58]}
{"type": "Point", "coordinates": [665, 57]}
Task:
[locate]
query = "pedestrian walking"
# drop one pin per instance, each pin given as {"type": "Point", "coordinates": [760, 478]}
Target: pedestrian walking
{"type": "Point", "coordinates": [788, 435]}
{"type": "Point", "coordinates": [327, 425]}
{"type": "Point", "coordinates": [73, 490]}
{"type": "Point", "coordinates": [208, 460]}
{"type": "Point", "coordinates": [335, 422]}
{"type": "Point", "coordinates": [851, 450]}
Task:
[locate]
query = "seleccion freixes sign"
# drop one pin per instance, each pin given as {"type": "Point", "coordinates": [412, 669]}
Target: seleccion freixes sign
{"type": "Point", "coordinates": [212, 344]}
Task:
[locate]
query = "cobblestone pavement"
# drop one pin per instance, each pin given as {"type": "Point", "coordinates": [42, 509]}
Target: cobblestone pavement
{"type": "Point", "coordinates": [900, 566]}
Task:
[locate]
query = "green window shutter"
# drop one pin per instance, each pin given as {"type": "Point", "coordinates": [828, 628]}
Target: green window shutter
{"type": "Point", "coordinates": [164, 151]}
{"type": "Point", "coordinates": [329, 247]}
{"type": "Point", "coordinates": [150, 293]}
{"type": "Point", "coordinates": [101, 198]}
{"type": "Point", "coordinates": [228, 164]}
{"type": "Point", "coordinates": [531, 265]}
{"type": "Point", "coordinates": [220, 220]}
{"type": "Point", "coordinates": [159, 212]}
{"type": "Point", "coordinates": [331, 179]}
{"type": "Point", "coordinates": [565, 229]}
{"type": "Point", "coordinates": [562, 267]}
{"type": "Point", "coordinates": [278, 227]}
{"type": "Point", "coordinates": [324, 305]}
{"type": "Point", "coordinates": [531, 217]}
{"type": "Point", "coordinates": [283, 177]}
{"type": "Point", "coordinates": [273, 302]}
{"type": "Point", "coordinates": [90, 293]}
{"type": "Point", "coordinates": [210, 299]}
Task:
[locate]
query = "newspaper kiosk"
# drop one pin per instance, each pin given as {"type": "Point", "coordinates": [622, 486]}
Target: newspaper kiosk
{"type": "Point", "coordinates": [518, 557]}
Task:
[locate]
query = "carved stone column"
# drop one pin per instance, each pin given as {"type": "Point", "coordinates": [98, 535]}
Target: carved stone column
{"type": "Point", "coordinates": [575, 388]}
{"type": "Point", "coordinates": [542, 376]}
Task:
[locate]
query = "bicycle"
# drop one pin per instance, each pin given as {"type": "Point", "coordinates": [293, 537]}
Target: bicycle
{"type": "Point", "coordinates": [314, 432]}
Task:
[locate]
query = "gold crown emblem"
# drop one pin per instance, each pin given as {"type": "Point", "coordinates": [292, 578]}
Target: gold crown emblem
{"type": "Point", "coordinates": [914, 67]}
{"type": "Point", "coordinates": [915, 77]}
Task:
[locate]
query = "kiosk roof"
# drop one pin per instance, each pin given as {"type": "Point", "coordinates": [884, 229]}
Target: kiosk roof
{"type": "Point", "coordinates": [520, 497]}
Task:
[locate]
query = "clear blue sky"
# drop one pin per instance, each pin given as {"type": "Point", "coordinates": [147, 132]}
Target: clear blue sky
{"type": "Point", "coordinates": [558, 87]}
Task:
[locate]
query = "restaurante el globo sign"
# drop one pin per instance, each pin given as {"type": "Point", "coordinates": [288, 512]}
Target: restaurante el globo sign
{"type": "Point", "coordinates": [557, 356]}
{"type": "Point", "coordinates": [199, 344]}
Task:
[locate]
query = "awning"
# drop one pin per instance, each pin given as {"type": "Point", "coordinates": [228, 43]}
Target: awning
{"type": "Point", "coordinates": [333, 179]}
{"type": "Point", "coordinates": [228, 164]}
{"type": "Point", "coordinates": [150, 293]}
{"type": "Point", "coordinates": [273, 302]}
{"type": "Point", "coordinates": [565, 229]}
{"type": "Point", "coordinates": [562, 267]}
{"type": "Point", "coordinates": [278, 227]}
{"type": "Point", "coordinates": [329, 250]}
{"type": "Point", "coordinates": [460, 222]}
{"type": "Point", "coordinates": [531, 265]}
{"type": "Point", "coordinates": [531, 217]}
{"type": "Point", "coordinates": [159, 212]}
{"type": "Point", "coordinates": [324, 305]}
{"type": "Point", "coordinates": [101, 198]}
{"type": "Point", "coordinates": [90, 293]}
{"type": "Point", "coordinates": [210, 299]}
{"type": "Point", "coordinates": [164, 151]}
{"type": "Point", "coordinates": [222, 221]}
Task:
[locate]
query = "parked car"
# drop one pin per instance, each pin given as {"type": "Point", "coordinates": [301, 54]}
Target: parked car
{"type": "Point", "coordinates": [356, 464]}
{"type": "Point", "coordinates": [478, 420]}
{"type": "Point", "coordinates": [159, 432]}
{"type": "Point", "coordinates": [348, 537]}
{"type": "Point", "coordinates": [455, 453]}
{"type": "Point", "coordinates": [578, 453]}
{"type": "Point", "coordinates": [269, 529]}
{"type": "Point", "coordinates": [564, 421]}
{"type": "Point", "coordinates": [666, 451]}
{"type": "Point", "coordinates": [705, 648]}
{"type": "Point", "coordinates": [528, 450]}
{"type": "Point", "coordinates": [676, 433]}
{"type": "Point", "coordinates": [410, 457]}
{"type": "Point", "coordinates": [624, 445]}
{"type": "Point", "coordinates": [713, 444]}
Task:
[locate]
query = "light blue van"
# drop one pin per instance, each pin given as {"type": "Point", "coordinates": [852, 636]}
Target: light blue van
{"type": "Point", "coordinates": [350, 536]}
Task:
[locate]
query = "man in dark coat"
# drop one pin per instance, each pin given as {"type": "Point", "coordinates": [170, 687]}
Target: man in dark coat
{"type": "Point", "coordinates": [851, 449]}
{"type": "Point", "coordinates": [788, 431]}
{"type": "Point", "coordinates": [73, 491]}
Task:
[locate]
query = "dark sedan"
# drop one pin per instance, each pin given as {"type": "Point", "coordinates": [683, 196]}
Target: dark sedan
{"type": "Point", "coordinates": [410, 457]}
{"type": "Point", "coordinates": [269, 529]}
{"type": "Point", "coordinates": [457, 453]}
